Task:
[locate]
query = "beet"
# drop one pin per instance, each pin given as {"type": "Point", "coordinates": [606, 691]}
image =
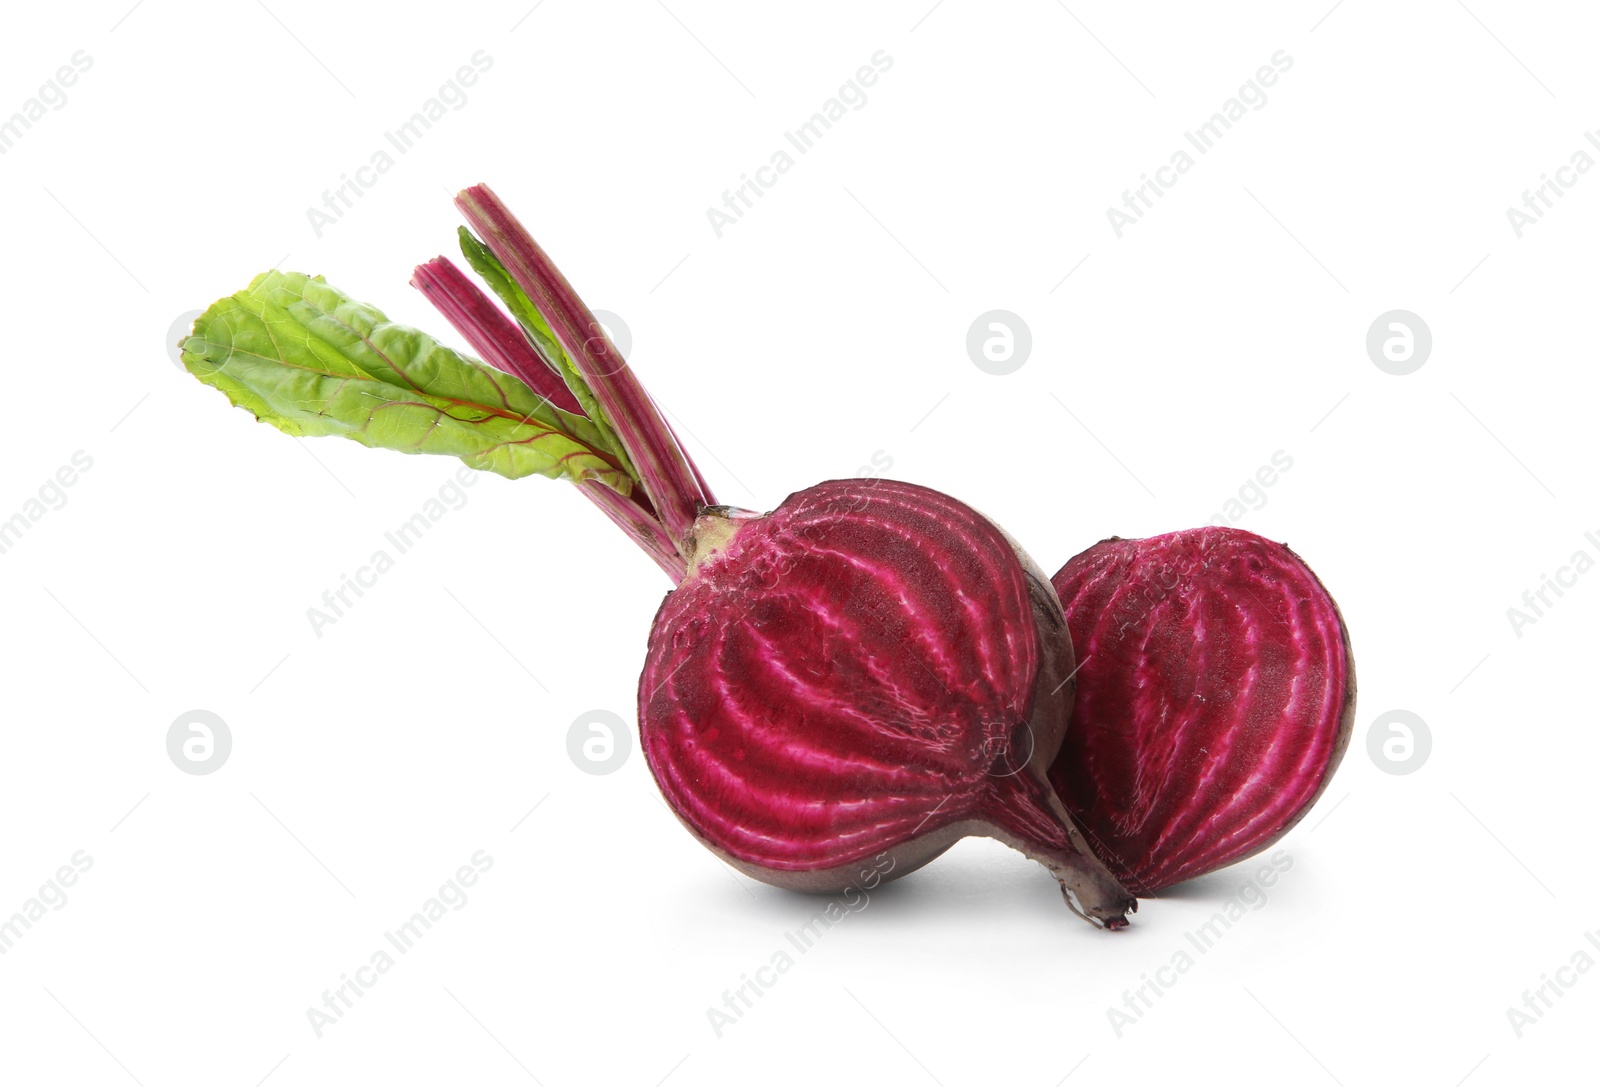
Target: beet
{"type": "Point", "coordinates": [848, 685]}
{"type": "Point", "coordinates": [1215, 698]}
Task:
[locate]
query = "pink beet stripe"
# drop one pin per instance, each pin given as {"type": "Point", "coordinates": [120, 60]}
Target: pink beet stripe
{"type": "Point", "coordinates": [663, 468]}
{"type": "Point", "coordinates": [828, 647]}
{"type": "Point", "coordinates": [492, 334]}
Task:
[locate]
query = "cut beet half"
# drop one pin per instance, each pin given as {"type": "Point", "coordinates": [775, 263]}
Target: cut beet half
{"type": "Point", "coordinates": [1215, 698]}
{"type": "Point", "coordinates": [841, 689]}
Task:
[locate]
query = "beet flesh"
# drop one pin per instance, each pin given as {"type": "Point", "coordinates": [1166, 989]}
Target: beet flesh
{"type": "Point", "coordinates": [1215, 698]}
{"type": "Point", "coordinates": [842, 688]}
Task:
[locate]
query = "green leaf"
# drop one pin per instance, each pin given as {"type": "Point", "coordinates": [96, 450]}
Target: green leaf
{"type": "Point", "coordinates": [521, 306]}
{"type": "Point", "coordinates": [489, 268]}
{"type": "Point", "coordinates": [310, 360]}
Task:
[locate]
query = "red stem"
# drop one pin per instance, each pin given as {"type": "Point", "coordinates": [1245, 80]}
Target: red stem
{"type": "Point", "coordinates": [705, 489]}
{"type": "Point", "coordinates": [664, 468]}
{"type": "Point", "coordinates": [502, 344]}
{"type": "Point", "coordinates": [492, 334]}
{"type": "Point", "coordinates": [643, 529]}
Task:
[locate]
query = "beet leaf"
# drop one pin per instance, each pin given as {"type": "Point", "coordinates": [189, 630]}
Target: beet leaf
{"type": "Point", "coordinates": [306, 358]}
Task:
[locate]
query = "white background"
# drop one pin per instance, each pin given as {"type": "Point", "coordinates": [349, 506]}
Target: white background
{"type": "Point", "coordinates": [825, 327]}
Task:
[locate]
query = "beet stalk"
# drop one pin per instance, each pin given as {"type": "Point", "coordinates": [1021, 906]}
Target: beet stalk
{"type": "Point", "coordinates": [664, 469]}
{"type": "Point", "coordinates": [506, 347]}
{"type": "Point", "coordinates": [1216, 696]}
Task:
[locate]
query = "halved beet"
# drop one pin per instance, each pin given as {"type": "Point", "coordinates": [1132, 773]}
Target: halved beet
{"type": "Point", "coordinates": [1215, 698]}
{"type": "Point", "coordinates": [841, 689]}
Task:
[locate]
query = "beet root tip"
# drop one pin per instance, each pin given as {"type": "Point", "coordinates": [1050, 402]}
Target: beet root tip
{"type": "Point", "coordinates": [1093, 895]}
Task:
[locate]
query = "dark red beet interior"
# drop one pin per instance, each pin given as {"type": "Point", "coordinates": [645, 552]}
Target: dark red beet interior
{"type": "Point", "coordinates": [841, 676]}
{"type": "Point", "coordinates": [1215, 695]}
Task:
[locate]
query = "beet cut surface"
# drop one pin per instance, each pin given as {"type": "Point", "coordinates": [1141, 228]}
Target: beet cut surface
{"type": "Point", "coordinates": [1215, 698]}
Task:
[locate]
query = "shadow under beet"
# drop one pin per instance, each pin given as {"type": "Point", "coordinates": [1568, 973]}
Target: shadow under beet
{"type": "Point", "coordinates": [975, 878]}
